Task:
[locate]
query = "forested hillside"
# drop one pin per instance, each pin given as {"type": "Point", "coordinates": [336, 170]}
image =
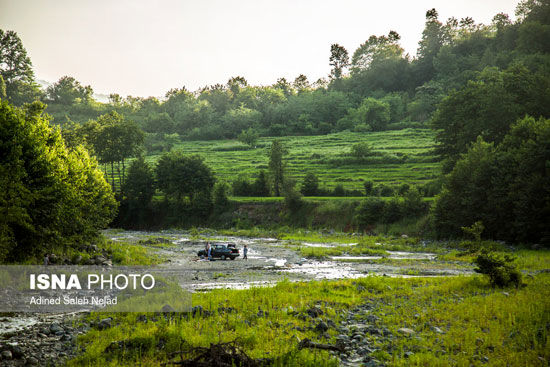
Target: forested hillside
{"type": "Point", "coordinates": [484, 89]}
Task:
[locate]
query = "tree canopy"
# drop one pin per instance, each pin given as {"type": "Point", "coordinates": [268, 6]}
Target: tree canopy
{"type": "Point", "coordinates": [51, 196]}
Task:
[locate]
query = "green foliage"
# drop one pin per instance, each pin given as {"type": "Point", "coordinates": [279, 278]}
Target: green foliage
{"type": "Point", "coordinates": [506, 187]}
{"type": "Point", "coordinates": [260, 187]}
{"type": "Point", "coordinates": [499, 268]}
{"type": "Point", "coordinates": [371, 112]}
{"type": "Point", "coordinates": [16, 74]}
{"type": "Point", "coordinates": [68, 91]}
{"type": "Point", "coordinates": [277, 165]}
{"type": "Point", "coordinates": [14, 62]}
{"type": "Point", "coordinates": [292, 197]}
{"type": "Point", "coordinates": [139, 185]}
{"type": "Point", "coordinates": [180, 176]}
{"type": "Point", "coordinates": [369, 188]}
{"type": "Point", "coordinates": [51, 196]}
{"type": "Point", "coordinates": [138, 190]}
{"type": "Point", "coordinates": [242, 187]}
{"type": "Point", "coordinates": [369, 212]}
{"type": "Point", "coordinates": [310, 185]}
{"type": "Point", "coordinates": [248, 137]}
{"type": "Point", "coordinates": [116, 139]}
{"type": "Point", "coordinates": [475, 230]}
{"type": "Point", "coordinates": [339, 60]}
{"type": "Point", "coordinates": [220, 196]}
{"type": "Point", "coordinates": [361, 150]}
{"type": "Point", "coordinates": [487, 107]}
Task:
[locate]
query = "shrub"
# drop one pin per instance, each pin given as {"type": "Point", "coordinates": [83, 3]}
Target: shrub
{"type": "Point", "coordinates": [369, 212]}
{"type": "Point", "coordinates": [500, 269]}
{"type": "Point", "coordinates": [339, 191]}
{"type": "Point", "coordinates": [392, 211]}
{"type": "Point", "coordinates": [369, 188]}
{"type": "Point", "coordinates": [384, 190]}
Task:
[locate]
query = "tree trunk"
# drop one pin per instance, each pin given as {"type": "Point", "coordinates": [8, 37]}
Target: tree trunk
{"type": "Point", "coordinates": [123, 172]}
{"type": "Point", "coordinates": [119, 176]}
{"type": "Point", "coordinates": [105, 172]}
{"type": "Point", "coordinates": [113, 176]}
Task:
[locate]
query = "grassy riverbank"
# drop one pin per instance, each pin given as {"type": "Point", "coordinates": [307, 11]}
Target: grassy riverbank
{"type": "Point", "coordinates": [448, 321]}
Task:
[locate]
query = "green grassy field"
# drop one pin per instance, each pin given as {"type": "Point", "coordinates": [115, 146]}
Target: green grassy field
{"type": "Point", "coordinates": [413, 148]}
{"type": "Point", "coordinates": [459, 321]}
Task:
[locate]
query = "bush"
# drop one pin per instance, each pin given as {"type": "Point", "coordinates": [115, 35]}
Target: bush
{"type": "Point", "coordinates": [369, 188]}
{"type": "Point", "coordinates": [220, 196]}
{"type": "Point", "coordinates": [310, 185]}
{"type": "Point", "coordinates": [385, 191]}
{"type": "Point", "coordinates": [499, 269]}
{"type": "Point", "coordinates": [339, 191]}
{"type": "Point", "coordinates": [369, 212]}
{"type": "Point", "coordinates": [242, 187]}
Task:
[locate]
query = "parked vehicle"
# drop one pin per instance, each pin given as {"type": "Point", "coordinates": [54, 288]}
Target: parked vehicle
{"type": "Point", "coordinates": [221, 251]}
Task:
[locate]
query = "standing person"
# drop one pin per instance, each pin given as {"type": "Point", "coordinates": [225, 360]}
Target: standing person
{"type": "Point", "coordinates": [209, 251]}
{"type": "Point", "coordinates": [245, 252]}
{"type": "Point", "coordinates": [46, 259]}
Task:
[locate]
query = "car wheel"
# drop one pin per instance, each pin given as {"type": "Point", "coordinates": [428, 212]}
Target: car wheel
{"type": "Point", "coordinates": [232, 257]}
{"type": "Point", "coordinates": [223, 257]}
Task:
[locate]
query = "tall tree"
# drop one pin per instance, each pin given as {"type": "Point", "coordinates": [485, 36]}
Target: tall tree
{"type": "Point", "coordinates": [277, 165]}
{"type": "Point", "coordinates": [434, 37]}
{"type": "Point", "coordinates": [68, 91]}
{"type": "Point", "coordinates": [301, 84]}
{"type": "Point", "coordinates": [487, 107]}
{"type": "Point", "coordinates": [180, 176]}
{"type": "Point", "coordinates": [115, 140]}
{"type": "Point", "coordinates": [376, 49]}
{"type": "Point", "coordinates": [338, 60]}
{"type": "Point", "coordinates": [16, 70]}
{"type": "Point", "coordinates": [14, 62]}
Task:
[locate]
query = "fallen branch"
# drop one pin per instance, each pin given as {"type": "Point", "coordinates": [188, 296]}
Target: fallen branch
{"type": "Point", "coordinates": [306, 343]}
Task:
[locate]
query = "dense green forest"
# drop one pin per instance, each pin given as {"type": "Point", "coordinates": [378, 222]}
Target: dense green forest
{"type": "Point", "coordinates": [484, 90]}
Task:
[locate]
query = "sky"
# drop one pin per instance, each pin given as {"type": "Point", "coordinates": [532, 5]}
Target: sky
{"type": "Point", "coordinates": [147, 47]}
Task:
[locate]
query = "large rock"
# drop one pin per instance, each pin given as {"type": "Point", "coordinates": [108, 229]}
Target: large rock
{"type": "Point", "coordinates": [315, 312]}
{"type": "Point", "coordinates": [56, 328]}
{"type": "Point", "coordinates": [321, 327]}
{"type": "Point", "coordinates": [6, 354]}
{"type": "Point", "coordinates": [31, 361]}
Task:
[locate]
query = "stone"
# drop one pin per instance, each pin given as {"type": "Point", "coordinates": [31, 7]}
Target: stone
{"type": "Point", "coordinates": [438, 330]}
{"type": "Point", "coordinates": [16, 351]}
{"type": "Point", "coordinates": [406, 331]}
{"type": "Point", "coordinates": [6, 354]}
{"type": "Point", "coordinates": [105, 323]}
{"type": "Point", "coordinates": [314, 312]}
{"type": "Point", "coordinates": [55, 328]}
{"type": "Point", "coordinates": [31, 361]}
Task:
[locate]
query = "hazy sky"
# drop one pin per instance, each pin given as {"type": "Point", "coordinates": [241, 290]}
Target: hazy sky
{"type": "Point", "coordinates": [146, 47]}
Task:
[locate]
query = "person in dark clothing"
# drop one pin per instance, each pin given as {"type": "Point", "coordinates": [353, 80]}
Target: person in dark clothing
{"type": "Point", "coordinates": [209, 250]}
{"type": "Point", "coordinates": [245, 252]}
